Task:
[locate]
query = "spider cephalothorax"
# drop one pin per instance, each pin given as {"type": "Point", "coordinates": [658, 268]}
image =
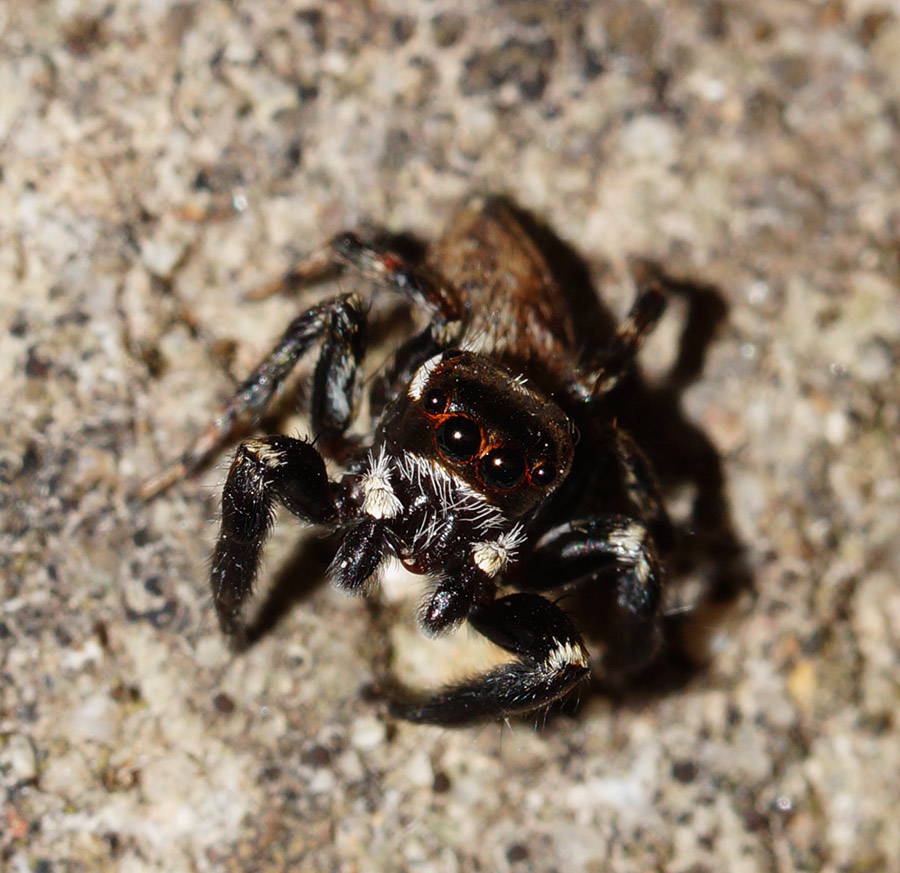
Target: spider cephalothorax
{"type": "Point", "coordinates": [485, 427]}
{"type": "Point", "coordinates": [460, 459]}
{"type": "Point", "coordinates": [474, 434]}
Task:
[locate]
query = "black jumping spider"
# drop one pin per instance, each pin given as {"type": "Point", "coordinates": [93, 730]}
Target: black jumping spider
{"type": "Point", "coordinates": [482, 470]}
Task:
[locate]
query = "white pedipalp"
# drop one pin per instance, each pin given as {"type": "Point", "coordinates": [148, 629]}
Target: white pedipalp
{"type": "Point", "coordinates": [379, 499]}
{"type": "Point", "coordinates": [493, 556]}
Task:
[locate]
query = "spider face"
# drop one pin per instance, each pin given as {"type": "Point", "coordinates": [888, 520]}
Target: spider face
{"type": "Point", "coordinates": [485, 428]}
{"type": "Point", "coordinates": [466, 450]}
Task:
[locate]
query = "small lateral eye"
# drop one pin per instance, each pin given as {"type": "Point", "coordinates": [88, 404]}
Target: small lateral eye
{"type": "Point", "coordinates": [459, 439]}
{"type": "Point", "coordinates": [502, 468]}
{"type": "Point", "coordinates": [435, 401]}
{"type": "Point", "coordinates": [543, 474]}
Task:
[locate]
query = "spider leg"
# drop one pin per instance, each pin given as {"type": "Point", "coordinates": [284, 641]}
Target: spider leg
{"type": "Point", "coordinates": [339, 325]}
{"type": "Point", "coordinates": [452, 599]}
{"type": "Point", "coordinates": [334, 387]}
{"type": "Point", "coordinates": [355, 566]}
{"type": "Point", "coordinates": [400, 370]}
{"type": "Point", "coordinates": [278, 469]}
{"type": "Point", "coordinates": [622, 348]}
{"type": "Point", "coordinates": [607, 547]}
{"type": "Point", "coordinates": [551, 660]}
{"type": "Point", "coordinates": [378, 263]}
{"type": "Point", "coordinates": [641, 485]}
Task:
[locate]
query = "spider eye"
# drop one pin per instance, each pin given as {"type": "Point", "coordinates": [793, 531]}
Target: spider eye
{"type": "Point", "coordinates": [502, 468]}
{"type": "Point", "coordinates": [459, 439]}
{"type": "Point", "coordinates": [435, 401]}
{"type": "Point", "coordinates": [543, 475]}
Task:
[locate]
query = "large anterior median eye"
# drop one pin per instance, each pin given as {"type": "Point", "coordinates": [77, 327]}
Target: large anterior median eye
{"type": "Point", "coordinates": [459, 439]}
{"type": "Point", "coordinates": [502, 468]}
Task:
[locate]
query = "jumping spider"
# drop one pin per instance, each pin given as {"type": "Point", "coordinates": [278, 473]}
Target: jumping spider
{"type": "Point", "coordinates": [482, 469]}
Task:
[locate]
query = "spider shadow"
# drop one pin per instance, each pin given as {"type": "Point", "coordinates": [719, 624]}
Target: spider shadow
{"type": "Point", "coordinates": [683, 457]}
{"type": "Point", "coordinates": [295, 580]}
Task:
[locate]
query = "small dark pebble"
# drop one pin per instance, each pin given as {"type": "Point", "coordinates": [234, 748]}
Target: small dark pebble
{"type": "Point", "coordinates": [755, 821]}
{"type": "Point", "coordinates": [315, 21]}
{"type": "Point", "coordinates": [223, 703]}
{"type": "Point", "coordinates": [516, 852]}
{"type": "Point", "coordinates": [447, 28]}
{"type": "Point", "coordinates": [441, 783]}
{"type": "Point", "coordinates": [872, 25]}
{"type": "Point", "coordinates": [31, 460]}
{"type": "Point", "coordinates": [594, 63]}
{"type": "Point", "coordinates": [294, 153]}
{"type": "Point", "coordinates": [123, 693]}
{"type": "Point", "coordinates": [115, 844]}
{"type": "Point", "coordinates": [153, 585]}
{"type": "Point", "coordinates": [270, 773]}
{"type": "Point", "coordinates": [402, 29]}
{"type": "Point", "coordinates": [102, 634]}
{"type": "Point", "coordinates": [317, 756]}
{"type": "Point", "coordinates": [684, 771]}
{"type": "Point", "coordinates": [36, 367]}
{"type": "Point", "coordinates": [201, 181]}
{"type": "Point", "coordinates": [19, 326]}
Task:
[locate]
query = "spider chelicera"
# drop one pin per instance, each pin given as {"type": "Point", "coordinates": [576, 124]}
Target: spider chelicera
{"type": "Point", "coordinates": [480, 474]}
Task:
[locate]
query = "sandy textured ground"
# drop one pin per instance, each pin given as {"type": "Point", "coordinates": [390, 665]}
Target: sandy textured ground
{"type": "Point", "coordinates": [160, 160]}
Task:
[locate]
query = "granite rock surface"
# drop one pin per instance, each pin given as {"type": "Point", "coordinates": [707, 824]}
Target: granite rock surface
{"type": "Point", "coordinates": [161, 160]}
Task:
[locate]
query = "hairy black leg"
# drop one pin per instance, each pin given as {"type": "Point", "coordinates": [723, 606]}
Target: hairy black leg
{"type": "Point", "coordinates": [551, 660]}
{"type": "Point", "coordinates": [642, 486]}
{"type": "Point", "coordinates": [452, 599]}
{"type": "Point", "coordinates": [378, 263]}
{"type": "Point", "coordinates": [264, 472]}
{"type": "Point", "coordinates": [340, 323]}
{"type": "Point", "coordinates": [355, 566]}
{"type": "Point", "coordinates": [622, 348]}
{"type": "Point", "coordinates": [402, 367]}
{"type": "Point", "coordinates": [334, 389]}
{"type": "Point", "coordinates": [607, 547]}
{"type": "Point", "coordinates": [317, 267]}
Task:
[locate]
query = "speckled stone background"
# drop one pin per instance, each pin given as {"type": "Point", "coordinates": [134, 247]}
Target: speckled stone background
{"type": "Point", "coordinates": [160, 160]}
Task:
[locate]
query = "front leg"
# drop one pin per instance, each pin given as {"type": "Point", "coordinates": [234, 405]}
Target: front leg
{"type": "Point", "coordinates": [339, 325]}
{"type": "Point", "coordinates": [281, 470]}
{"type": "Point", "coordinates": [551, 660]}
{"type": "Point", "coordinates": [378, 263]}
